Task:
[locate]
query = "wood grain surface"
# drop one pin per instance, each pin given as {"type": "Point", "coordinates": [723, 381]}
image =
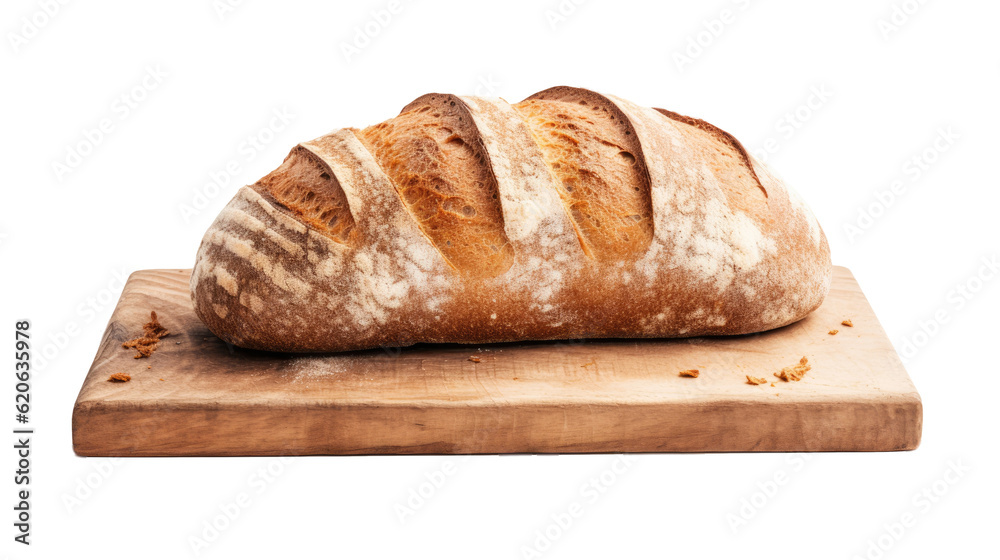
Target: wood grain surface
{"type": "Point", "coordinates": [198, 396]}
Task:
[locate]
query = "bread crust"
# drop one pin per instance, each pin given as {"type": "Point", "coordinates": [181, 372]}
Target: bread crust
{"type": "Point", "coordinates": [733, 251]}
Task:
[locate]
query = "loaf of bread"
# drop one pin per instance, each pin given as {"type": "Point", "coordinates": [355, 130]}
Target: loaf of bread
{"type": "Point", "coordinates": [569, 215]}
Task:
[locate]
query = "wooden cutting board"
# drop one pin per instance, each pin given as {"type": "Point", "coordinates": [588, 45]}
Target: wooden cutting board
{"type": "Point", "coordinates": [199, 396]}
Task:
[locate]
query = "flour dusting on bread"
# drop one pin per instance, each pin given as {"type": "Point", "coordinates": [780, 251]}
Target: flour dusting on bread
{"type": "Point", "coordinates": [569, 215]}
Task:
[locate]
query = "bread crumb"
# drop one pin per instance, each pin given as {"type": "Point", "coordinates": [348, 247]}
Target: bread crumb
{"type": "Point", "coordinates": [796, 372]}
{"type": "Point", "coordinates": [690, 373]}
{"type": "Point", "coordinates": [475, 359]}
{"type": "Point", "coordinates": [847, 323]}
{"type": "Point", "coordinates": [590, 363]}
{"type": "Point", "coordinates": [772, 384]}
{"type": "Point", "coordinates": [153, 329]}
{"type": "Point", "coordinates": [834, 331]}
{"type": "Point", "coordinates": [161, 379]}
{"type": "Point", "coordinates": [120, 378]}
{"type": "Point", "coordinates": [143, 346]}
{"type": "Point", "coordinates": [146, 344]}
{"type": "Point", "coordinates": [756, 380]}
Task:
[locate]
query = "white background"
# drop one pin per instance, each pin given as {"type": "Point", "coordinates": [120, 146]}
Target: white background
{"type": "Point", "coordinates": [67, 237]}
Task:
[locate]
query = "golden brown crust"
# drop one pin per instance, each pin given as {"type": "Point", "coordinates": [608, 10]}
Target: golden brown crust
{"type": "Point", "coordinates": [435, 158]}
{"type": "Point", "coordinates": [714, 257]}
{"type": "Point", "coordinates": [722, 136]}
{"type": "Point", "coordinates": [592, 149]}
{"type": "Point", "coordinates": [305, 186]}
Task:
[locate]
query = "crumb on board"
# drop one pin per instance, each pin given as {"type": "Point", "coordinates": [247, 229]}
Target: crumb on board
{"type": "Point", "coordinates": [161, 379]}
{"type": "Point", "coordinates": [143, 346]}
{"type": "Point", "coordinates": [590, 363]}
{"type": "Point", "coordinates": [772, 384]}
{"type": "Point", "coordinates": [120, 378]}
{"type": "Point", "coordinates": [475, 359]}
{"type": "Point", "coordinates": [146, 344]}
{"type": "Point", "coordinates": [847, 323]}
{"type": "Point", "coordinates": [690, 373]}
{"type": "Point", "coordinates": [796, 372]}
{"type": "Point", "coordinates": [834, 331]}
{"type": "Point", "coordinates": [756, 380]}
{"type": "Point", "coordinates": [153, 329]}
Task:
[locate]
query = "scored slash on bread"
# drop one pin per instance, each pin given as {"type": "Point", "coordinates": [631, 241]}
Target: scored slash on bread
{"type": "Point", "coordinates": [571, 214]}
